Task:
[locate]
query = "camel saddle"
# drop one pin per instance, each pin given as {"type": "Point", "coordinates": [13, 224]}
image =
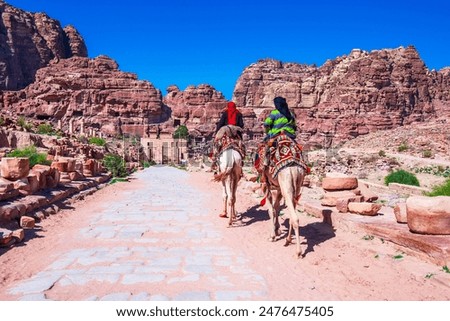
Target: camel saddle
{"type": "Point", "coordinates": [229, 137]}
{"type": "Point", "coordinates": [282, 152]}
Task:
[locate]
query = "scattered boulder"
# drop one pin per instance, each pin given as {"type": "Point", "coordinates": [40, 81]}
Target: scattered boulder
{"type": "Point", "coordinates": [331, 198]}
{"type": "Point", "coordinates": [13, 168]}
{"type": "Point", "coordinates": [5, 186]}
{"type": "Point", "coordinates": [339, 183]}
{"type": "Point", "coordinates": [400, 213]}
{"type": "Point", "coordinates": [27, 222]}
{"type": "Point", "coordinates": [370, 209]}
{"type": "Point", "coordinates": [62, 166]}
{"type": "Point", "coordinates": [76, 176]}
{"type": "Point", "coordinates": [428, 215]}
{"type": "Point", "coordinates": [6, 237]}
{"type": "Point", "coordinates": [367, 194]}
{"type": "Point", "coordinates": [18, 235]}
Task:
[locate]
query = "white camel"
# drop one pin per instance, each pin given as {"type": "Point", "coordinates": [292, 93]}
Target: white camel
{"type": "Point", "coordinates": [230, 172]}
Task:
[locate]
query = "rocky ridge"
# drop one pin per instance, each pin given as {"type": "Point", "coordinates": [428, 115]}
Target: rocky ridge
{"type": "Point", "coordinates": [92, 92]}
{"type": "Point", "coordinates": [350, 95]}
{"type": "Point", "coordinates": [29, 41]}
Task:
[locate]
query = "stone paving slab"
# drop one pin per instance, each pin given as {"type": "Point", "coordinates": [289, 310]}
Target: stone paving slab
{"type": "Point", "coordinates": [136, 252]}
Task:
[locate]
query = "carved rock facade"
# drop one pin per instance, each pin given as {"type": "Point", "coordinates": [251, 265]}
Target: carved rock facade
{"type": "Point", "coordinates": [89, 93]}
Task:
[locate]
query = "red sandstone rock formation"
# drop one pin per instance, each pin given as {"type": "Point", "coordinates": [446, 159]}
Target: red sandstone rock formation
{"type": "Point", "coordinates": [29, 41]}
{"type": "Point", "coordinates": [349, 96]}
{"type": "Point", "coordinates": [345, 98]}
{"type": "Point", "coordinates": [89, 93]}
{"type": "Point", "coordinates": [196, 107]}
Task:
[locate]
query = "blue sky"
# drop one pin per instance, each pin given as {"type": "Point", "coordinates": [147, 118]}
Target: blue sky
{"type": "Point", "coordinates": [211, 42]}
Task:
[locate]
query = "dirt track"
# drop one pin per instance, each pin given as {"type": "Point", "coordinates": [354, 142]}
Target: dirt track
{"type": "Point", "coordinates": [159, 237]}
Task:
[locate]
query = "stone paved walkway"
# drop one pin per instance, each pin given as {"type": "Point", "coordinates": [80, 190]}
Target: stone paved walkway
{"type": "Point", "coordinates": [132, 250]}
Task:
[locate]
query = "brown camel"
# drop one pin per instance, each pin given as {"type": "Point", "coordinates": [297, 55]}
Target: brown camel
{"type": "Point", "coordinates": [284, 174]}
{"type": "Point", "coordinates": [287, 185]}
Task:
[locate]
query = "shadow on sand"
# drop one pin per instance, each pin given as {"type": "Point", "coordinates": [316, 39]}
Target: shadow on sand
{"type": "Point", "coordinates": [313, 233]}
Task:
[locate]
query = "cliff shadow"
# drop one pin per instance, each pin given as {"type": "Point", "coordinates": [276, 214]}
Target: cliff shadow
{"type": "Point", "coordinates": [166, 113]}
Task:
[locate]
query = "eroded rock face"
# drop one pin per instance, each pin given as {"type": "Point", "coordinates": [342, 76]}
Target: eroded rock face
{"type": "Point", "coordinates": [89, 93]}
{"type": "Point", "coordinates": [349, 96]}
{"type": "Point", "coordinates": [29, 41]}
{"type": "Point", "coordinates": [197, 107]}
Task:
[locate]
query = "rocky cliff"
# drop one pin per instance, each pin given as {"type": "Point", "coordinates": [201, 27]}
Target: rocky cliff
{"type": "Point", "coordinates": [90, 93]}
{"type": "Point", "coordinates": [29, 41]}
{"type": "Point", "coordinates": [197, 107]}
{"type": "Point", "coordinates": [48, 77]}
{"type": "Point", "coordinates": [349, 96]}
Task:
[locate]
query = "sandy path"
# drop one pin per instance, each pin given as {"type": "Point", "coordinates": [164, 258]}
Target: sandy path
{"type": "Point", "coordinates": [159, 237]}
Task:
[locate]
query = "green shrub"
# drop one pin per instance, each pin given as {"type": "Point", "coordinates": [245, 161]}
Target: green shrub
{"type": "Point", "coordinates": [97, 141]}
{"type": "Point", "coordinates": [427, 154]}
{"type": "Point", "coordinates": [403, 146]}
{"type": "Point", "coordinates": [146, 164]}
{"type": "Point", "coordinates": [31, 153]}
{"type": "Point", "coordinates": [82, 139]}
{"type": "Point", "coordinates": [115, 164]}
{"type": "Point", "coordinates": [437, 170]}
{"type": "Point", "coordinates": [116, 179]}
{"type": "Point", "coordinates": [441, 190]}
{"type": "Point", "coordinates": [402, 177]}
{"type": "Point", "coordinates": [22, 123]}
{"type": "Point", "coordinates": [45, 129]}
{"type": "Point", "coordinates": [2, 121]}
{"type": "Point", "coordinates": [382, 153]}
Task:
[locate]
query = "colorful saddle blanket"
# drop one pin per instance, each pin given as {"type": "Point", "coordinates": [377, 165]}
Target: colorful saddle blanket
{"type": "Point", "coordinates": [282, 152]}
{"type": "Point", "coordinates": [228, 139]}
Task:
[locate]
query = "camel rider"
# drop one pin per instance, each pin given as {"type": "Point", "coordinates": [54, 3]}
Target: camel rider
{"type": "Point", "coordinates": [229, 116]}
{"type": "Point", "coordinates": [280, 120]}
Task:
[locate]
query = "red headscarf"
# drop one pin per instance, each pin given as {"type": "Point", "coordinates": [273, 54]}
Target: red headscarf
{"type": "Point", "coordinates": [231, 113]}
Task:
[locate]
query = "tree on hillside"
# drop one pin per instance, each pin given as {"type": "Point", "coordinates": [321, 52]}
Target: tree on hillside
{"type": "Point", "coordinates": [181, 132]}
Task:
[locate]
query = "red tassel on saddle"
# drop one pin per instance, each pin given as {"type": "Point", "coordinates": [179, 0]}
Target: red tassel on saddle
{"type": "Point", "coordinates": [263, 202]}
{"type": "Point", "coordinates": [257, 163]}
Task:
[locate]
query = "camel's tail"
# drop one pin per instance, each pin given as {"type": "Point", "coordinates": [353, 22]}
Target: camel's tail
{"type": "Point", "coordinates": [231, 163]}
{"type": "Point", "coordinates": [220, 177]}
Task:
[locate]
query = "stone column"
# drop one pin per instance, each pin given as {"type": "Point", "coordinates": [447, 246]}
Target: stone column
{"type": "Point", "coordinates": [70, 126]}
{"type": "Point", "coordinates": [82, 127]}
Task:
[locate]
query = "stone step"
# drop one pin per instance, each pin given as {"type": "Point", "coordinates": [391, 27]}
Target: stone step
{"type": "Point", "coordinates": [433, 248]}
{"type": "Point", "coordinates": [13, 209]}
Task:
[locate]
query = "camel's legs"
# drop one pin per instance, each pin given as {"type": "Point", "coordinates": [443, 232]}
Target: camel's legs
{"type": "Point", "coordinates": [290, 183]}
{"type": "Point", "coordinates": [273, 214]}
{"type": "Point", "coordinates": [225, 200]}
{"type": "Point", "coordinates": [276, 223]}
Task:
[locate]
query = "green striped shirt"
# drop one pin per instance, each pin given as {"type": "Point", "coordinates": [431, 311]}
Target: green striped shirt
{"type": "Point", "coordinates": [275, 123]}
